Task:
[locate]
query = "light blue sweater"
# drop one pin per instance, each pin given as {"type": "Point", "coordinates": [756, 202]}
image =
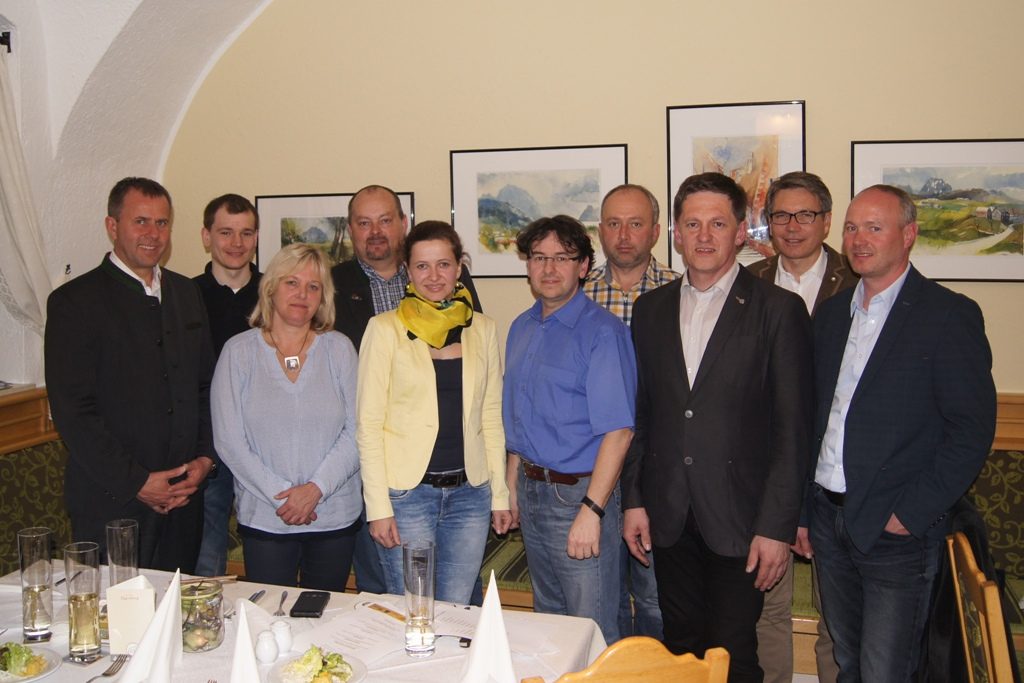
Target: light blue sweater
{"type": "Point", "coordinates": [274, 434]}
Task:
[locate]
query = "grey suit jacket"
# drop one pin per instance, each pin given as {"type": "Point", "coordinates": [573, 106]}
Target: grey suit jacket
{"type": "Point", "coordinates": [838, 274]}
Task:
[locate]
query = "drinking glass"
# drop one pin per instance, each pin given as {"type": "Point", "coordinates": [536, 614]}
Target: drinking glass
{"type": "Point", "coordinates": [35, 560]}
{"type": "Point", "coordinates": [418, 570]}
{"type": "Point", "coordinates": [82, 574]}
{"type": "Point", "coordinates": [122, 550]}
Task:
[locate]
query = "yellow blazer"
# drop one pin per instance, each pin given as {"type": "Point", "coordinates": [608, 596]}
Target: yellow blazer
{"type": "Point", "coordinates": [396, 412]}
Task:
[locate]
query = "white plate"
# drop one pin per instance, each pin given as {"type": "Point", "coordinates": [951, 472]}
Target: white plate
{"type": "Point", "coordinates": [359, 669]}
{"type": "Point", "coordinates": [53, 662]}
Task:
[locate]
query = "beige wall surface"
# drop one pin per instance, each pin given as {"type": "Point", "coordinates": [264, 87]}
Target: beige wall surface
{"type": "Point", "coordinates": [321, 96]}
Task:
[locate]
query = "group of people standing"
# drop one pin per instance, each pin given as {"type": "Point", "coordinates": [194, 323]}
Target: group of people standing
{"type": "Point", "coordinates": [665, 441]}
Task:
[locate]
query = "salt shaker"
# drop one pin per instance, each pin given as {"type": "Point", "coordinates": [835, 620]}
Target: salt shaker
{"type": "Point", "coordinates": [266, 647]}
{"type": "Point", "coordinates": [283, 635]}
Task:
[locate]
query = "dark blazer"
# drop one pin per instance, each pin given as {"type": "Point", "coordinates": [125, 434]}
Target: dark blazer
{"type": "Point", "coordinates": [353, 301]}
{"type": "Point", "coordinates": [838, 274]}
{"type": "Point", "coordinates": [128, 379]}
{"type": "Point", "coordinates": [735, 445]}
{"type": "Point", "coordinates": [922, 418]}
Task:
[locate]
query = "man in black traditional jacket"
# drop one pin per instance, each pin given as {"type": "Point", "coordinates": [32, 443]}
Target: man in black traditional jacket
{"type": "Point", "coordinates": [128, 368]}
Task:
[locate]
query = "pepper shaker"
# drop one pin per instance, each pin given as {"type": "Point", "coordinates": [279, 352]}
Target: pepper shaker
{"type": "Point", "coordinates": [266, 647]}
{"type": "Point", "coordinates": [283, 635]}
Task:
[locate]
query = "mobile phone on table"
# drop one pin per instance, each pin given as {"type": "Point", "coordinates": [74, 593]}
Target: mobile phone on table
{"type": "Point", "coordinates": [310, 604]}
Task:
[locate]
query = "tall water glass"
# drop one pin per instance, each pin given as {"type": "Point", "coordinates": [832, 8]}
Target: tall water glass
{"type": "Point", "coordinates": [82, 574]}
{"type": "Point", "coordinates": [418, 570]}
{"type": "Point", "coordinates": [122, 550]}
{"type": "Point", "coordinates": [36, 562]}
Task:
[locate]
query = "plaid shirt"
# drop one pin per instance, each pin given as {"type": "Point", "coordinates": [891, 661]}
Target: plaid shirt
{"type": "Point", "coordinates": [386, 293]}
{"type": "Point", "coordinates": [606, 292]}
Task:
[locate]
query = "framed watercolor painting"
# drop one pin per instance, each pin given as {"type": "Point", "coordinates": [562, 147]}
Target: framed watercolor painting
{"type": "Point", "coordinates": [969, 196]}
{"type": "Point", "coordinates": [320, 219]}
{"type": "Point", "coordinates": [498, 192]}
{"type": "Point", "coordinates": [753, 143]}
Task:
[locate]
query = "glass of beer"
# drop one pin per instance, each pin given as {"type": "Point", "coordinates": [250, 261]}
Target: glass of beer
{"type": "Point", "coordinates": [82, 574]}
{"type": "Point", "coordinates": [36, 563]}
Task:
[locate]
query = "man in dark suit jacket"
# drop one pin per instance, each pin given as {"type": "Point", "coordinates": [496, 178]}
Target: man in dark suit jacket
{"type": "Point", "coordinates": [128, 369]}
{"type": "Point", "coordinates": [374, 281]}
{"type": "Point", "coordinates": [905, 416]}
{"type": "Point", "coordinates": [714, 476]}
{"type": "Point", "coordinates": [371, 283]}
{"type": "Point", "coordinates": [799, 212]}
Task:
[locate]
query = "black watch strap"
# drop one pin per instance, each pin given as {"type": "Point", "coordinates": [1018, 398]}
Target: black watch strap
{"type": "Point", "coordinates": [598, 510]}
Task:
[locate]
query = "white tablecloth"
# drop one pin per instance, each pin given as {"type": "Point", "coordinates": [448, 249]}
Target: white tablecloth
{"type": "Point", "coordinates": [574, 642]}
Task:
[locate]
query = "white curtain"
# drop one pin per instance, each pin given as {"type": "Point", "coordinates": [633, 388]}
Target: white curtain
{"type": "Point", "coordinates": [24, 283]}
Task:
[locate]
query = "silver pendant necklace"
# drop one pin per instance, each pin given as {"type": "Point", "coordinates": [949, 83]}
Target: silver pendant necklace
{"type": "Point", "coordinates": [291, 363]}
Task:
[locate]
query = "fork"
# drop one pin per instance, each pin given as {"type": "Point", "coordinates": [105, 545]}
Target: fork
{"type": "Point", "coordinates": [116, 662]}
{"type": "Point", "coordinates": [280, 607]}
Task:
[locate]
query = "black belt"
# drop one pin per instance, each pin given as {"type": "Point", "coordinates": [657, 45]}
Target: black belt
{"type": "Point", "coordinates": [445, 480]}
{"type": "Point", "coordinates": [837, 499]}
{"type": "Point", "coordinates": [538, 473]}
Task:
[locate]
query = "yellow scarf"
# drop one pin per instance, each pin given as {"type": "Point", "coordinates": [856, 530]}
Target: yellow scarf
{"type": "Point", "coordinates": [434, 321]}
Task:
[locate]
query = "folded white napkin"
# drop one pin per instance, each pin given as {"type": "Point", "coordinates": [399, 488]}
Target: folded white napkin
{"type": "Point", "coordinates": [243, 663]}
{"type": "Point", "coordinates": [490, 659]}
{"type": "Point", "coordinates": [160, 649]}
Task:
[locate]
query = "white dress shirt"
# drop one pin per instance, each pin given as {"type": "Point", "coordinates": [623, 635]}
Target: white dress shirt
{"type": "Point", "coordinates": [806, 285]}
{"type": "Point", "coordinates": [698, 315]}
{"type": "Point", "coordinates": [864, 330]}
{"type": "Point", "coordinates": [153, 290]}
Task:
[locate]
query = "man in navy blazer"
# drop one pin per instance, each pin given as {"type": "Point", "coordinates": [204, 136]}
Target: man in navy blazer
{"type": "Point", "coordinates": [714, 477]}
{"type": "Point", "coordinates": [905, 416]}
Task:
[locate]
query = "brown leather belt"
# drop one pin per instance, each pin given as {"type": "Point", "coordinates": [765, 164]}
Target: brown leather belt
{"type": "Point", "coordinates": [538, 473]}
{"type": "Point", "coordinates": [837, 499]}
{"type": "Point", "coordinates": [445, 480]}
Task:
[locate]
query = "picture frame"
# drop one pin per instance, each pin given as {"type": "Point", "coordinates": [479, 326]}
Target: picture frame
{"type": "Point", "coordinates": [752, 142]}
{"type": "Point", "coordinates": [970, 202]}
{"type": "Point", "coordinates": [282, 216]}
{"type": "Point", "coordinates": [497, 192]}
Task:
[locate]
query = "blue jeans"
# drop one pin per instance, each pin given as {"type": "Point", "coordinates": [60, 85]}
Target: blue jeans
{"type": "Point", "coordinates": [562, 585]}
{"type": "Point", "coordinates": [456, 519]}
{"type": "Point", "coordinates": [217, 499]}
{"type": "Point", "coordinates": [639, 612]}
{"type": "Point", "coordinates": [875, 604]}
{"type": "Point", "coordinates": [366, 561]}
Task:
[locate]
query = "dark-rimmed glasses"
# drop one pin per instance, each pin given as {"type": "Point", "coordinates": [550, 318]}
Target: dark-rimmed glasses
{"type": "Point", "coordinates": [802, 217]}
{"type": "Point", "coordinates": [560, 260]}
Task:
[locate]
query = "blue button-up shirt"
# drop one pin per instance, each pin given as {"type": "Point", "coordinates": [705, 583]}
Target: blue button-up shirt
{"type": "Point", "coordinates": [570, 378]}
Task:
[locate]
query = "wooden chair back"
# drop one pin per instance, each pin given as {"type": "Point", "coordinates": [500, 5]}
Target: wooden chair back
{"type": "Point", "coordinates": [640, 659]}
{"type": "Point", "coordinates": [981, 616]}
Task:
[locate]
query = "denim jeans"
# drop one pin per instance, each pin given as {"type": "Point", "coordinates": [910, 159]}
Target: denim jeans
{"type": "Point", "coordinates": [456, 519]}
{"type": "Point", "coordinates": [562, 585]}
{"type": "Point", "coordinates": [876, 603]}
{"type": "Point", "coordinates": [217, 499]}
{"type": "Point", "coordinates": [366, 561]}
{"type": "Point", "coordinates": [639, 612]}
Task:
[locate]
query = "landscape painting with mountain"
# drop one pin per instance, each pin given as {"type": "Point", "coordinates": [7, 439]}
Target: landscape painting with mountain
{"type": "Point", "coordinates": [329, 234]}
{"type": "Point", "coordinates": [508, 201]}
{"type": "Point", "coordinates": [965, 210]}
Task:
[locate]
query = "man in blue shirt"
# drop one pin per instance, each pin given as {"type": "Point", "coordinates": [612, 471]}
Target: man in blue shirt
{"type": "Point", "coordinates": [570, 389]}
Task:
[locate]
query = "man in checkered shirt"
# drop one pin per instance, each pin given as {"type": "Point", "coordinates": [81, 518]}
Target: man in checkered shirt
{"type": "Point", "coordinates": [628, 231]}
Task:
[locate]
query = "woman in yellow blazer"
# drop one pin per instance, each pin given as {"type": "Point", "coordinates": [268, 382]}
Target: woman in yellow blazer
{"type": "Point", "coordinates": [431, 442]}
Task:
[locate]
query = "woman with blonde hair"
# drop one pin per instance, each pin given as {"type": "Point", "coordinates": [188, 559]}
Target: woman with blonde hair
{"type": "Point", "coordinates": [283, 403]}
{"type": "Point", "coordinates": [430, 434]}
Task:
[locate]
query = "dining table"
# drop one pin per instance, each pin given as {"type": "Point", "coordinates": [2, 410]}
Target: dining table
{"type": "Point", "coordinates": [545, 645]}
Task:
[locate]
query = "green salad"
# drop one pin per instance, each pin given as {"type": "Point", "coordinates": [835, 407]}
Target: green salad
{"type": "Point", "coordinates": [317, 666]}
{"type": "Point", "coordinates": [19, 660]}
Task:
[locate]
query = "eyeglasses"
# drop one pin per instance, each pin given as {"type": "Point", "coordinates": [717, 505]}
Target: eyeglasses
{"type": "Point", "coordinates": [560, 260]}
{"type": "Point", "coordinates": [802, 217]}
